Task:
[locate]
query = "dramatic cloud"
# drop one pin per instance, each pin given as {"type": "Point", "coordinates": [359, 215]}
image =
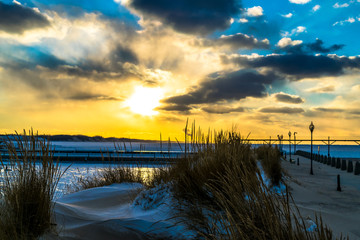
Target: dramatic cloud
{"type": "Point", "coordinates": [317, 46]}
{"type": "Point", "coordinates": [286, 98]}
{"type": "Point", "coordinates": [297, 46]}
{"type": "Point", "coordinates": [175, 107]}
{"type": "Point", "coordinates": [299, 65]}
{"type": "Point", "coordinates": [330, 110]}
{"type": "Point", "coordinates": [236, 41]}
{"type": "Point", "coordinates": [188, 16]}
{"type": "Point", "coordinates": [93, 97]}
{"type": "Point", "coordinates": [123, 54]}
{"type": "Point", "coordinates": [326, 89]}
{"type": "Point", "coordinates": [256, 11]}
{"type": "Point", "coordinates": [333, 112]}
{"type": "Point", "coordinates": [15, 18]}
{"type": "Point", "coordinates": [284, 110]}
{"type": "Point", "coordinates": [222, 109]}
{"type": "Point", "coordinates": [226, 87]}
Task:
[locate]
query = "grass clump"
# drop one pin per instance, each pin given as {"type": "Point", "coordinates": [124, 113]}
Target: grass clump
{"type": "Point", "coordinates": [110, 175]}
{"type": "Point", "coordinates": [28, 189]}
{"type": "Point", "coordinates": [270, 159]}
{"type": "Point", "coordinates": [221, 195]}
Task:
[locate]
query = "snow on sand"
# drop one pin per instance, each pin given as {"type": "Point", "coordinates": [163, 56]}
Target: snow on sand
{"type": "Point", "coordinates": [119, 211]}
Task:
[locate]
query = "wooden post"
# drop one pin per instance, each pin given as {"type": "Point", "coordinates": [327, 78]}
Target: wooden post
{"type": "Point", "coordinates": [338, 183]}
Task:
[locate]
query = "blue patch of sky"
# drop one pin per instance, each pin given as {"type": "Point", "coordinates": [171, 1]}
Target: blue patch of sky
{"type": "Point", "coordinates": [318, 24]}
{"type": "Point", "coordinates": [318, 99]}
{"type": "Point", "coordinates": [28, 56]}
{"type": "Point", "coordinates": [71, 8]}
{"type": "Point", "coordinates": [279, 86]}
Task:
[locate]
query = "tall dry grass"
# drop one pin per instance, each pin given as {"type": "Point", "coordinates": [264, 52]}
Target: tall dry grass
{"type": "Point", "coordinates": [270, 159]}
{"type": "Point", "coordinates": [114, 173]}
{"type": "Point", "coordinates": [221, 195]}
{"type": "Point", "coordinates": [28, 190]}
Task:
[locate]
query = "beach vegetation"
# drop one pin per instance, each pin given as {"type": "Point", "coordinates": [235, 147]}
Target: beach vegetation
{"type": "Point", "coordinates": [220, 192]}
{"type": "Point", "coordinates": [270, 159]}
{"type": "Point", "coordinates": [29, 180]}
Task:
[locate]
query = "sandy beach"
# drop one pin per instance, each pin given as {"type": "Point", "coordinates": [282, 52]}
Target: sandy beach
{"type": "Point", "coordinates": [317, 194]}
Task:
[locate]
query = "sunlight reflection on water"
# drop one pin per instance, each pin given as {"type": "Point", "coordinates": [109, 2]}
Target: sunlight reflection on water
{"type": "Point", "coordinates": [84, 170]}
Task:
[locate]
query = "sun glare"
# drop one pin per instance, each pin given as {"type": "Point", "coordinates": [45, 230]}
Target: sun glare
{"type": "Point", "coordinates": [144, 100]}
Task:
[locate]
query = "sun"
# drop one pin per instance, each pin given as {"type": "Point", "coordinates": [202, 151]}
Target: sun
{"type": "Point", "coordinates": [144, 100]}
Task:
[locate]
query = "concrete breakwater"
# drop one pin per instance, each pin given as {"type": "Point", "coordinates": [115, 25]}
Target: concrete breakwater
{"type": "Point", "coordinates": [349, 165]}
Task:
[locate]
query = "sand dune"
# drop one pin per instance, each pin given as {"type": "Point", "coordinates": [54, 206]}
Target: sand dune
{"type": "Point", "coordinates": [110, 213]}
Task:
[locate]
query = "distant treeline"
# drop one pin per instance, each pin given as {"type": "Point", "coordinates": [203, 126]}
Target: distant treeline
{"type": "Point", "coordinates": [80, 138]}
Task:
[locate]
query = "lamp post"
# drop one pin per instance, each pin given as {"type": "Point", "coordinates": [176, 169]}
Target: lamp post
{"type": "Point", "coordinates": [289, 145]}
{"type": "Point", "coordinates": [295, 142]}
{"type": "Point", "coordinates": [311, 128]}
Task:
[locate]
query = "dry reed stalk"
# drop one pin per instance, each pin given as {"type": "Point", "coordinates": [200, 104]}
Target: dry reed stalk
{"type": "Point", "coordinates": [29, 189]}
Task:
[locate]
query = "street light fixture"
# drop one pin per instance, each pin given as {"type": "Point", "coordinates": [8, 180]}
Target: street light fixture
{"type": "Point", "coordinates": [290, 145]}
{"type": "Point", "coordinates": [311, 128]}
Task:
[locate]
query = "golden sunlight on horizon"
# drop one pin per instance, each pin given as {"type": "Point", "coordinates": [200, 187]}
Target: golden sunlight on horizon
{"type": "Point", "coordinates": [144, 100]}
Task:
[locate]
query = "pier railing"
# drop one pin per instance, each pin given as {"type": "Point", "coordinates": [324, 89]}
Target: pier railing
{"type": "Point", "coordinates": [91, 155]}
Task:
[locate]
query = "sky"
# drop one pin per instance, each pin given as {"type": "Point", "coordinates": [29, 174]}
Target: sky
{"type": "Point", "coordinates": [138, 68]}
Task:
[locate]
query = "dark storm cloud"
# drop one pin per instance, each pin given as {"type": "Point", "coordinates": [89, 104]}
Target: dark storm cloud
{"type": "Point", "coordinates": [284, 110]}
{"type": "Point", "coordinates": [234, 42]}
{"type": "Point", "coordinates": [190, 16]}
{"type": "Point", "coordinates": [175, 107]}
{"type": "Point", "coordinates": [323, 89]}
{"type": "Point", "coordinates": [222, 109]}
{"type": "Point", "coordinates": [282, 97]}
{"type": "Point", "coordinates": [329, 110]}
{"type": "Point", "coordinates": [92, 97]}
{"type": "Point", "coordinates": [124, 54]}
{"type": "Point", "coordinates": [56, 78]}
{"type": "Point", "coordinates": [317, 46]}
{"type": "Point", "coordinates": [117, 65]}
{"type": "Point", "coordinates": [226, 87]}
{"type": "Point", "coordinates": [348, 113]}
{"type": "Point", "coordinates": [15, 18]}
{"type": "Point", "coordinates": [299, 65]}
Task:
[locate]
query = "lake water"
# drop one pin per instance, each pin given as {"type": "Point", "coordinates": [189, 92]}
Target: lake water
{"type": "Point", "coordinates": [84, 169]}
{"type": "Point", "coordinates": [341, 151]}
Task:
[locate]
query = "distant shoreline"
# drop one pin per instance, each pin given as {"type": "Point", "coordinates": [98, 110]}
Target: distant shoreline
{"type": "Point", "coordinates": [81, 138]}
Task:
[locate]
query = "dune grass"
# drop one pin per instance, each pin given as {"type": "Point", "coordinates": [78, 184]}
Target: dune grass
{"type": "Point", "coordinates": [114, 173]}
{"type": "Point", "coordinates": [28, 189]}
{"type": "Point", "coordinates": [270, 159]}
{"type": "Point", "coordinates": [221, 195]}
